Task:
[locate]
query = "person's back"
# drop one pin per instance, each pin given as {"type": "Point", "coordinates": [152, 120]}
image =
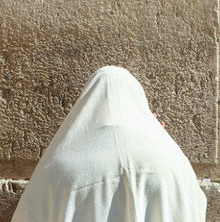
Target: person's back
{"type": "Point", "coordinates": [109, 162]}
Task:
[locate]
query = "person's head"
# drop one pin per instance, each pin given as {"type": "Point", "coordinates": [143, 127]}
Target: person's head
{"type": "Point", "coordinates": [113, 96]}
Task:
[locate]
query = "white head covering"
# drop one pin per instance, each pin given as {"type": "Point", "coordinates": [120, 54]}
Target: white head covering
{"type": "Point", "coordinates": [112, 161]}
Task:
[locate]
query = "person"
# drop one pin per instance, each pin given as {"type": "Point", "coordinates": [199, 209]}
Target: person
{"type": "Point", "coordinates": [111, 160]}
{"type": "Point", "coordinates": [162, 122]}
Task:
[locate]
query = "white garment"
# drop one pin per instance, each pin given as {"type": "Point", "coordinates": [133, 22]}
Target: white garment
{"type": "Point", "coordinates": [112, 161]}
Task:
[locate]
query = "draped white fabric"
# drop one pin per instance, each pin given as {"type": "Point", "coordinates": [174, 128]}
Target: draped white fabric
{"type": "Point", "coordinates": [112, 161]}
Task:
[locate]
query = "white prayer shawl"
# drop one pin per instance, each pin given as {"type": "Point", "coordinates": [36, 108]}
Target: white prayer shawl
{"type": "Point", "coordinates": [112, 161]}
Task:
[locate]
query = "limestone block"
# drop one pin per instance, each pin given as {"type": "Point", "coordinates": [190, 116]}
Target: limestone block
{"type": "Point", "coordinates": [212, 192]}
{"type": "Point", "coordinates": [50, 48]}
{"type": "Point", "coordinates": [10, 192]}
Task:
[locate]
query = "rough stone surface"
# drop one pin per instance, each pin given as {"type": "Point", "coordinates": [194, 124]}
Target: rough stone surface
{"type": "Point", "coordinates": [212, 192]}
{"type": "Point", "coordinates": [10, 192]}
{"type": "Point", "coordinates": [49, 49]}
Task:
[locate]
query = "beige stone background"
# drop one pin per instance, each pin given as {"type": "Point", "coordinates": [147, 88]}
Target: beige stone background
{"type": "Point", "coordinates": [49, 48]}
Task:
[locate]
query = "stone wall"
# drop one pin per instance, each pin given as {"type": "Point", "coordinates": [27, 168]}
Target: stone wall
{"type": "Point", "coordinates": [50, 48]}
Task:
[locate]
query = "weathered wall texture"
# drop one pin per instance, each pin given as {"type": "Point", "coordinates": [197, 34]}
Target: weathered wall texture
{"type": "Point", "coordinates": [50, 48]}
